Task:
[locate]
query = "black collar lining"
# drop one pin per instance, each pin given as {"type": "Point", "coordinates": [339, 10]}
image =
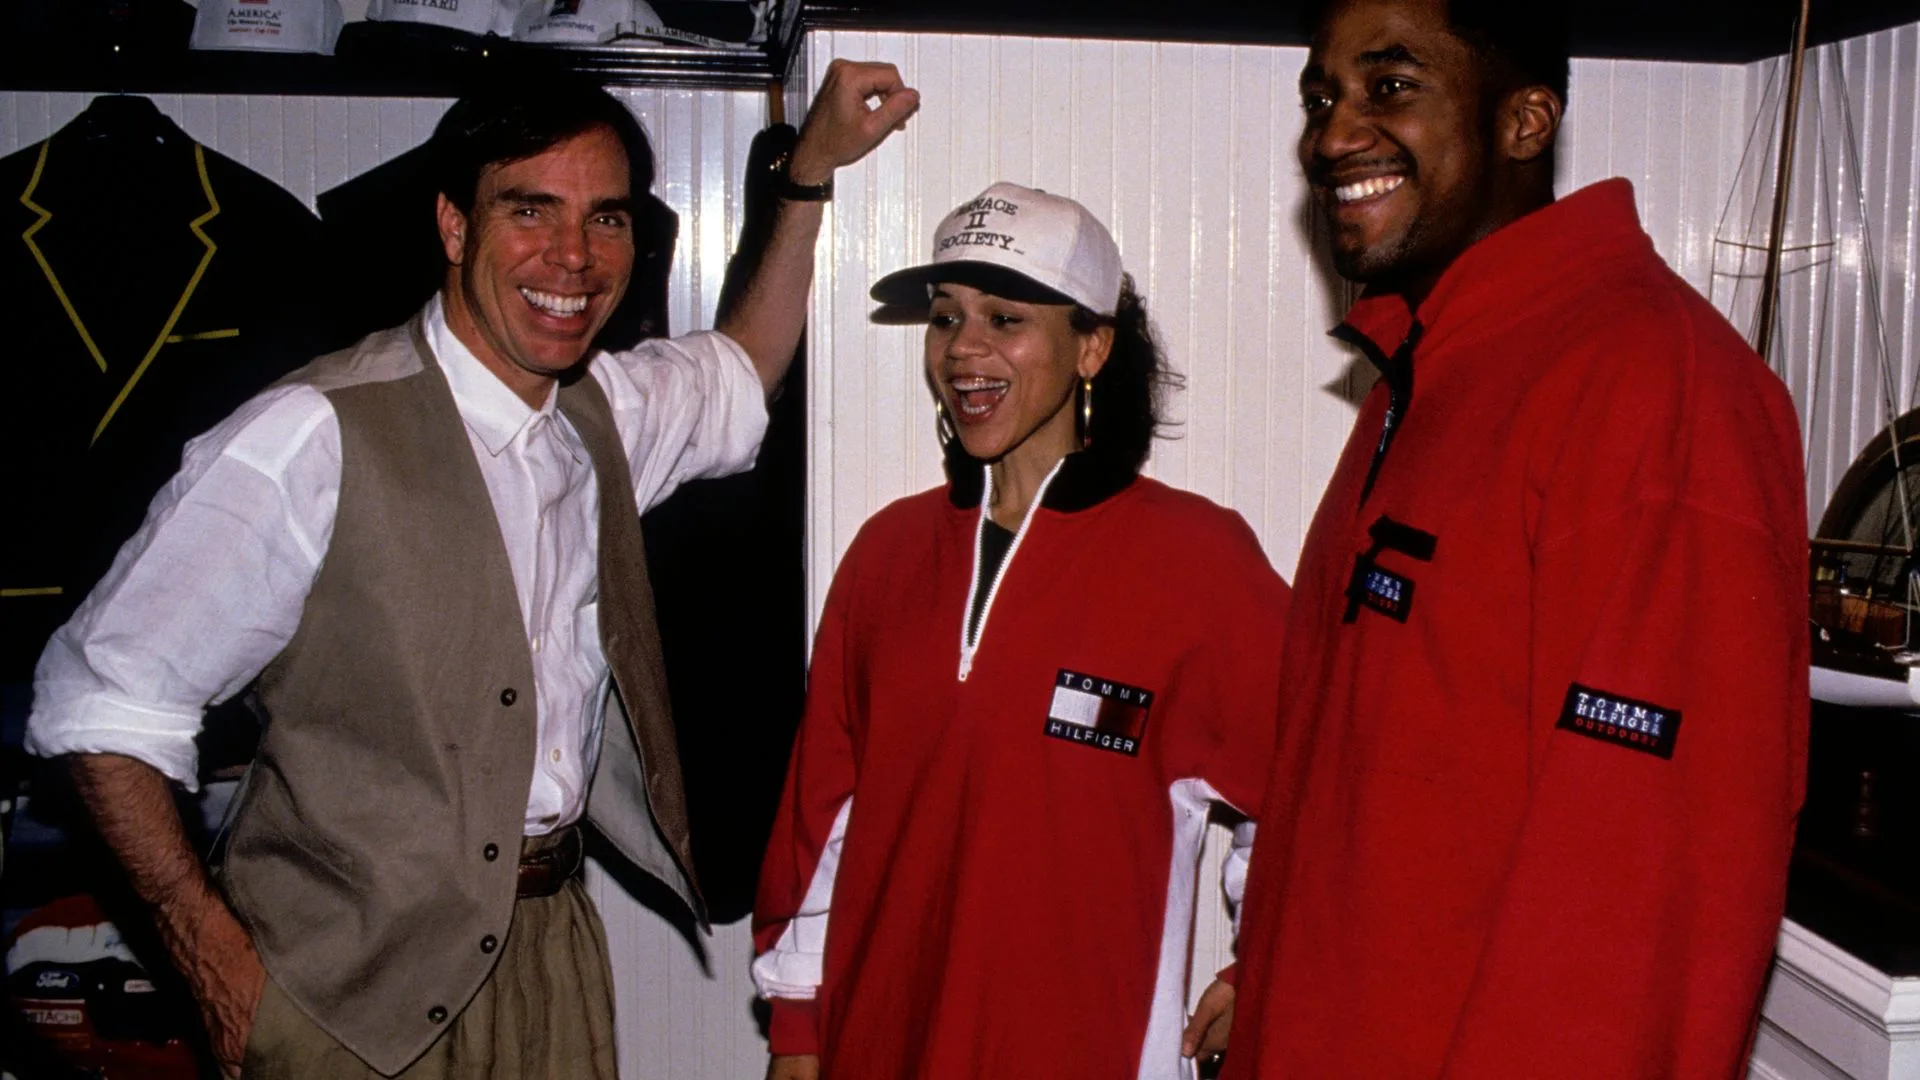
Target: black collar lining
{"type": "Point", "coordinates": [1085, 480]}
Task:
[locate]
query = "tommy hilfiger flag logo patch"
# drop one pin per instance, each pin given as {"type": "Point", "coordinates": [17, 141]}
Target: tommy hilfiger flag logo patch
{"type": "Point", "coordinates": [1377, 588]}
{"type": "Point", "coordinates": [1386, 592]}
{"type": "Point", "coordinates": [1097, 712]}
{"type": "Point", "coordinates": [1614, 718]}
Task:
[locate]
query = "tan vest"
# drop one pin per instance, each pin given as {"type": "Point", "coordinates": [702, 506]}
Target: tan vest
{"type": "Point", "coordinates": [373, 853]}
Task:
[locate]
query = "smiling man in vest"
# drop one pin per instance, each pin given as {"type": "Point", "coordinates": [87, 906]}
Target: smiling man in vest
{"type": "Point", "coordinates": [425, 553]}
{"type": "Point", "coordinates": [1545, 732]}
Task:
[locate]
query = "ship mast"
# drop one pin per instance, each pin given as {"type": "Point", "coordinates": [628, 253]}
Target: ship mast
{"type": "Point", "coordinates": [1783, 178]}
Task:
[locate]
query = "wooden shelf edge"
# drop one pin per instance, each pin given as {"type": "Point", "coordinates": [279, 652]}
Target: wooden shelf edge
{"type": "Point", "coordinates": [427, 73]}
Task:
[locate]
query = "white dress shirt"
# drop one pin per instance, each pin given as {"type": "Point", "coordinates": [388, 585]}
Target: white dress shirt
{"type": "Point", "coordinates": [212, 586]}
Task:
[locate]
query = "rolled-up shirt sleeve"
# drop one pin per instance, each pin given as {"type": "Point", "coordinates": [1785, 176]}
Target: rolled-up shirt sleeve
{"type": "Point", "coordinates": [687, 408]}
{"type": "Point", "coordinates": [203, 596]}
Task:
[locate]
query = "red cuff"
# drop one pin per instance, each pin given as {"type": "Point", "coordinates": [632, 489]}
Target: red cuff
{"type": "Point", "coordinates": [1229, 973]}
{"type": "Point", "coordinates": [795, 1027]}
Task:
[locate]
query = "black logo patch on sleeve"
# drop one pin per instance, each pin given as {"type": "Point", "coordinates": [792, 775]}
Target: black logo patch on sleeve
{"type": "Point", "coordinates": [1097, 712]}
{"type": "Point", "coordinates": [1623, 721]}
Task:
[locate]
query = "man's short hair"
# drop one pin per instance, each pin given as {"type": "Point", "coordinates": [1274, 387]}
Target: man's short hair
{"type": "Point", "coordinates": [518, 118]}
{"type": "Point", "coordinates": [1522, 42]}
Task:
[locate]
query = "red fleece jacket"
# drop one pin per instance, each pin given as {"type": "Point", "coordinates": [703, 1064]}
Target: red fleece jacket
{"type": "Point", "coordinates": [1013, 897]}
{"type": "Point", "coordinates": [1539, 769]}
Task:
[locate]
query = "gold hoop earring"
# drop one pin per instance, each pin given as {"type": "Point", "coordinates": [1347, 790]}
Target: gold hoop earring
{"type": "Point", "coordinates": [942, 423]}
{"type": "Point", "coordinates": [1086, 413]}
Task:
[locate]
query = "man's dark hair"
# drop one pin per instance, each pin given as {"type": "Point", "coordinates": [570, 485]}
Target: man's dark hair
{"type": "Point", "coordinates": [517, 118]}
{"type": "Point", "coordinates": [1522, 42]}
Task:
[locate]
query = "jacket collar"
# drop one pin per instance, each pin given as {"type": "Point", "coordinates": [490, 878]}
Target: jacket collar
{"type": "Point", "coordinates": [1085, 480]}
{"type": "Point", "coordinates": [1492, 281]}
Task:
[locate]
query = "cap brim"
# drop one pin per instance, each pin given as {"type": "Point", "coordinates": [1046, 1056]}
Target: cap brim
{"type": "Point", "coordinates": [909, 288]}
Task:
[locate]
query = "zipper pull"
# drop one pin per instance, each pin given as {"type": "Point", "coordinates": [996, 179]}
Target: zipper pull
{"type": "Point", "coordinates": [966, 663]}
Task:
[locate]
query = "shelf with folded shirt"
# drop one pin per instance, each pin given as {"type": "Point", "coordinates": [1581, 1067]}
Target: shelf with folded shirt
{"type": "Point", "coordinates": [377, 60]}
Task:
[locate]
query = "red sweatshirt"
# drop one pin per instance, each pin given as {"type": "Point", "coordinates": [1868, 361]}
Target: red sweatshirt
{"type": "Point", "coordinates": [994, 876]}
{"type": "Point", "coordinates": [1545, 740]}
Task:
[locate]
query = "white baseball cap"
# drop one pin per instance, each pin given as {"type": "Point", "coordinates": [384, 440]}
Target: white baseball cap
{"type": "Point", "coordinates": [1019, 243]}
{"type": "Point", "coordinates": [596, 22]}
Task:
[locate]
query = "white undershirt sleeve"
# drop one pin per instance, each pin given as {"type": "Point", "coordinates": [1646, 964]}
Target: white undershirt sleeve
{"type": "Point", "coordinates": [208, 590]}
{"type": "Point", "coordinates": [796, 965]}
{"type": "Point", "coordinates": [1233, 872]}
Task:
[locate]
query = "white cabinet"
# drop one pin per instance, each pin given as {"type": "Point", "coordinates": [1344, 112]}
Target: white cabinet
{"type": "Point", "coordinates": [1828, 1016]}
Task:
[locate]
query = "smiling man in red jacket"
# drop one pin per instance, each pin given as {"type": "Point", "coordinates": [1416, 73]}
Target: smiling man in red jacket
{"type": "Point", "coordinates": [1535, 795]}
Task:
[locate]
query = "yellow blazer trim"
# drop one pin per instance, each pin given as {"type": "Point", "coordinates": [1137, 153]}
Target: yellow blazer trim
{"type": "Point", "coordinates": [166, 333]}
{"type": "Point", "coordinates": [205, 335]}
{"type": "Point", "coordinates": [52, 590]}
{"type": "Point", "coordinates": [26, 200]}
{"type": "Point", "coordinates": [160, 340]}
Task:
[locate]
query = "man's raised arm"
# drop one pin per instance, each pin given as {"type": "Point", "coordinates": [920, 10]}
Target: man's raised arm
{"type": "Point", "coordinates": [841, 128]}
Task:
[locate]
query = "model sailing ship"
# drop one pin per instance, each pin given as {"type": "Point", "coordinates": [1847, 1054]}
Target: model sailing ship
{"type": "Point", "coordinates": [1863, 594]}
{"type": "Point", "coordinates": [1854, 881]}
{"type": "Point", "coordinates": [1864, 589]}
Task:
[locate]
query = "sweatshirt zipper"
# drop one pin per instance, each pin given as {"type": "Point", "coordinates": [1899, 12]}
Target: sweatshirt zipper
{"type": "Point", "coordinates": [1397, 372]}
{"type": "Point", "coordinates": [970, 643]}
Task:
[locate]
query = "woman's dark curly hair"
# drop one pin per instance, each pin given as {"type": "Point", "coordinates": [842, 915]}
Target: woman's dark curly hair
{"type": "Point", "coordinates": [1130, 392]}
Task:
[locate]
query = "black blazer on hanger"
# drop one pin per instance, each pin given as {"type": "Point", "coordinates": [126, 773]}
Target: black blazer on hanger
{"type": "Point", "coordinates": [154, 286]}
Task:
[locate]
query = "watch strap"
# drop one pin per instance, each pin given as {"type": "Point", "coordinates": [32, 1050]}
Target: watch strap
{"type": "Point", "coordinates": [785, 187]}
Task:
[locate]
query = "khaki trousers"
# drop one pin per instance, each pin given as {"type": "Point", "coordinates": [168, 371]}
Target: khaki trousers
{"type": "Point", "coordinates": [546, 1013]}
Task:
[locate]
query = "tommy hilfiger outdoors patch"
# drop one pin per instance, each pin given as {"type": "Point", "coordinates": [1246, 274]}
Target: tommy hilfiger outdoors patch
{"type": "Point", "coordinates": [1618, 719]}
{"type": "Point", "coordinates": [1097, 712]}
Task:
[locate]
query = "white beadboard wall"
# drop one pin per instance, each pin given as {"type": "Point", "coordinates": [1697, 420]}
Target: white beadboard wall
{"type": "Point", "coordinates": [1856, 169]}
{"type": "Point", "coordinates": [679, 1018]}
{"type": "Point", "coordinates": [1187, 152]}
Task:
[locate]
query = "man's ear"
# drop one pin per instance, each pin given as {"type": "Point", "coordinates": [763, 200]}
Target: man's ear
{"type": "Point", "coordinates": [1529, 122]}
{"type": "Point", "coordinates": [453, 229]}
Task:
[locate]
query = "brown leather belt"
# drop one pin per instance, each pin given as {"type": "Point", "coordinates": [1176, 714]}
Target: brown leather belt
{"type": "Point", "coordinates": [548, 862]}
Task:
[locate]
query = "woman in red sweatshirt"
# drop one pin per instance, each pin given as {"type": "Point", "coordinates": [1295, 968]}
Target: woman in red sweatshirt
{"type": "Point", "coordinates": [1028, 691]}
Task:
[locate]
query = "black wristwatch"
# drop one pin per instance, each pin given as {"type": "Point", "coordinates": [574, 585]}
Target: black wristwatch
{"type": "Point", "coordinates": [784, 186]}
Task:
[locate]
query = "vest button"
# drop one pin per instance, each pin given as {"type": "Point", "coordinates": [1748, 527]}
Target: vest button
{"type": "Point", "coordinates": [489, 943]}
{"type": "Point", "coordinates": [490, 852]}
{"type": "Point", "coordinates": [437, 1014]}
{"type": "Point", "coordinates": [508, 696]}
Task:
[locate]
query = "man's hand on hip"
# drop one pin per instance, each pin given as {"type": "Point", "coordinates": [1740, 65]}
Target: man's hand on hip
{"type": "Point", "coordinates": [225, 973]}
{"type": "Point", "coordinates": [841, 128]}
{"type": "Point", "coordinates": [132, 805]}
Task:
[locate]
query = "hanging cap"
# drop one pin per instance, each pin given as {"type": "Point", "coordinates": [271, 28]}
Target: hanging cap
{"type": "Point", "coordinates": [1019, 243]}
